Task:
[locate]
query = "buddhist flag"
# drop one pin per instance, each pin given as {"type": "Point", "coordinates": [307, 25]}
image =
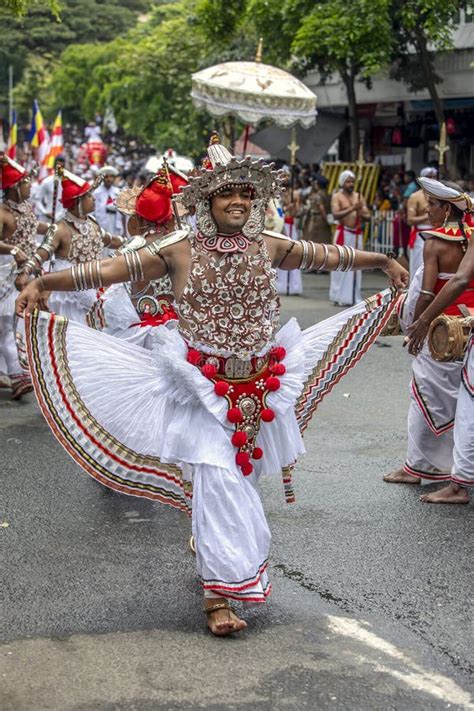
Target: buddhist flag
{"type": "Point", "coordinates": [57, 142]}
{"type": "Point", "coordinates": [12, 137]}
{"type": "Point", "coordinates": [39, 139]}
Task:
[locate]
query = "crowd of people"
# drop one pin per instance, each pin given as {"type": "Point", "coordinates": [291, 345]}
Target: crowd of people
{"type": "Point", "coordinates": [203, 391]}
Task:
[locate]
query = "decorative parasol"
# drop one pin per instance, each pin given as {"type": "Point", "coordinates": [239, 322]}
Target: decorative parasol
{"type": "Point", "coordinates": [253, 92]}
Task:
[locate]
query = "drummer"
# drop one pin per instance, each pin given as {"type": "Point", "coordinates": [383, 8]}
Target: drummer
{"type": "Point", "coordinates": [462, 477]}
{"type": "Point", "coordinates": [435, 385]}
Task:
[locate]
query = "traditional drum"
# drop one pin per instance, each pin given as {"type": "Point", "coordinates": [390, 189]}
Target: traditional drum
{"type": "Point", "coordinates": [448, 337]}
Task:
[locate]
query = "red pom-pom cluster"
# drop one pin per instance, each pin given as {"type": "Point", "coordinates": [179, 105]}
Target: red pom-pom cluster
{"type": "Point", "coordinates": [221, 388]}
{"type": "Point", "coordinates": [242, 458]}
{"type": "Point", "coordinates": [267, 415]}
{"type": "Point", "coordinates": [234, 415]}
{"type": "Point", "coordinates": [193, 356]}
{"type": "Point", "coordinates": [278, 353]}
{"type": "Point", "coordinates": [209, 370]}
{"type": "Point", "coordinates": [278, 369]}
{"type": "Point", "coordinates": [257, 453]}
{"type": "Point", "coordinates": [239, 438]}
{"type": "Point", "coordinates": [272, 383]}
{"type": "Point", "coordinates": [247, 469]}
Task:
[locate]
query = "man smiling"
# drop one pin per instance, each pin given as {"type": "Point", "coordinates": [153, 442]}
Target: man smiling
{"type": "Point", "coordinates": [222, 398]}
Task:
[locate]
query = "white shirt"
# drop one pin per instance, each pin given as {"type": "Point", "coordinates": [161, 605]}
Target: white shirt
{"type": "Point", "coordinates": [106, 214]}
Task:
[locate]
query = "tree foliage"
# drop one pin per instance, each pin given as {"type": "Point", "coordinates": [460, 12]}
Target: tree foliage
{"type": "Point", "coordinates": [18, 8]}
{"type": "Point", "coordinates": [40, 33]}
{"type": "Point", "coordinates": [99, 55]}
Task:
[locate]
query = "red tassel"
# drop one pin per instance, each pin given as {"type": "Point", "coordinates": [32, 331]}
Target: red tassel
{"type": "Point", "coordinates": [257, 453]}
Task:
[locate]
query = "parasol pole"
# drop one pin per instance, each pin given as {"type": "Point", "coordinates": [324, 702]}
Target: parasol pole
{"type": "Point", "coordinates": [293, 147]}
{"type": "Point", "coordinates": [258, 60]}
{"type": "Point", "coordinates": [442, 148]}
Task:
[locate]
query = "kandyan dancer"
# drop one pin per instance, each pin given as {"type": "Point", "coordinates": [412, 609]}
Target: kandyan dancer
{"type": "Point", "coordinates": [224, 396]}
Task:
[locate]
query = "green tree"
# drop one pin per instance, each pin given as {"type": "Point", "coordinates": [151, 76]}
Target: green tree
{"type": "Point", "coordinates": [144, 76]}
{"type": "Point", "coordinates": [351, 38]}
{"type": "Point", "coordinates": [39, 33]}
{"type": "Point", "coordinates": [21, 7]}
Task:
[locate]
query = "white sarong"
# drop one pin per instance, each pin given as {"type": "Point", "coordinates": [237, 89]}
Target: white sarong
{"type": "Point", "coordinates": [345, 287]}
{"type": "Point", "coordinates": [433, 397]}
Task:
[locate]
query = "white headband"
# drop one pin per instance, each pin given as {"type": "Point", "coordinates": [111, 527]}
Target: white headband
{"type": "Point", "coordinates": [345, 175]}
{"type": "Point", "coordinates": [440, 191]}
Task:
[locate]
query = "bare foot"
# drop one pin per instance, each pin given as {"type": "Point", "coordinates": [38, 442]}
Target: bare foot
{"type": "Point", "coordinates": [223, 621]}
{"type": "Point", "coordinates": [451, 494]}
{"type": "Point", "coordinates": [399, 476]}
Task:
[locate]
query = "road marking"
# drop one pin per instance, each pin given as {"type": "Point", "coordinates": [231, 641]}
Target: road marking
{"type": "Point", "coordinates": [415, 676]}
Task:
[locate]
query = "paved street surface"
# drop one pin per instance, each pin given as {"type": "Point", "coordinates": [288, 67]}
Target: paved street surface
{"type": "Point", "coordinates": [371, 606]}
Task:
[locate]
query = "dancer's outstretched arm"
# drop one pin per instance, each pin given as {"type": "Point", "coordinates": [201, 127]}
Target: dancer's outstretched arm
{"type": "Point", "coordinates": [312, 256]}
{"type": "Point", "coordinates": [133, 266]}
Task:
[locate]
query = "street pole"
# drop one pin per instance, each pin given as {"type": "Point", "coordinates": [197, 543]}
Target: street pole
{"type": "Point", "coordinates": [10, 96]}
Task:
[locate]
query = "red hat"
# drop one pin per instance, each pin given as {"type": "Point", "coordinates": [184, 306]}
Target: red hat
{"type": "Point", "coordinates": [154, 202]}
{"type": "Point", "coordinates": [12, 173]}
{"type": "Point", "coordinates": [178, 180]}
{"type": "Point", "coordinates": [73, 188]}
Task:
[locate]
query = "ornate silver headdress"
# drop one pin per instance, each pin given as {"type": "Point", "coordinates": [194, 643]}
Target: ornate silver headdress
{"type": "Point", "coordinates": [222, 170]}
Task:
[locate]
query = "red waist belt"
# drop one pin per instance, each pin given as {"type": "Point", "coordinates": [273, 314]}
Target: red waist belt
{"type": "Point", "coordinates": [466, 298]}
{"type": "Point", "coordinates": [289, 220]}
{"type": "Point", "coordinates": [246, 395]}
{"type": "Point", "coordinates": [340, 232]}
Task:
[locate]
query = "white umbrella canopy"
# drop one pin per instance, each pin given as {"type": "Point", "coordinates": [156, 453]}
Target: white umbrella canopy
{"type": "Point", "coordinates": [253, 92]}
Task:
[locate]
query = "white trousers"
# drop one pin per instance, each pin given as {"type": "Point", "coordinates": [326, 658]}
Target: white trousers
{"type": "Point", "coordinates": [231, 535]}
{"type": "Point", "coordinates": [463, 455]}
{"type": "Point", "coordinates": [290, 282]}
{"type": "Point", "coordinates": [416, 255]}
{"type": "Point", "coordinates": [344, 287]}
{"type": "Point", "coordinates": [8, 347]}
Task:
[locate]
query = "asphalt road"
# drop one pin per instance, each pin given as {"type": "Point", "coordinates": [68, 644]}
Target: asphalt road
{"type": "Point", "coordinates": [371, 609]}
